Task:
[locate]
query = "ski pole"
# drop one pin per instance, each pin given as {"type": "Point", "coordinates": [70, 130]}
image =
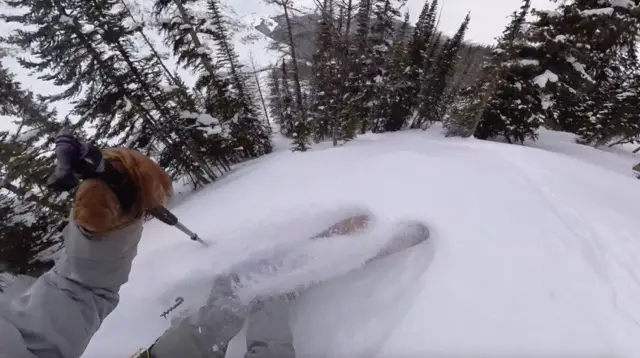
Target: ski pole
{"type": "Point", "coordinates": [163, 214]}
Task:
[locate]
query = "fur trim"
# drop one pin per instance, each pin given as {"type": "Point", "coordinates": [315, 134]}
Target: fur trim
{"type": "Point", "coordinates": [96, 208]}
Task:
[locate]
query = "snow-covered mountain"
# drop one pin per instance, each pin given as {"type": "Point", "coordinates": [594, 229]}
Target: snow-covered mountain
{"type": "Point", "coordinates": [534, 249]}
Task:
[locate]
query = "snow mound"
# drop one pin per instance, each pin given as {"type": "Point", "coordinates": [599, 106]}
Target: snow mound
{"type": "Point", "coordinates": [536, 249]}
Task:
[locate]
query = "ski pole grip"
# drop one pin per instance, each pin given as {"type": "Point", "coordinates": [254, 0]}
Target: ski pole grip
{"type": "Point", "coordinates": [161, 213]}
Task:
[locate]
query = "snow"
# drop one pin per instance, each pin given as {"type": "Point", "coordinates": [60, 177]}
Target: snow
{"type": "Point", "coordinates": [541, 80]}
{"type": "Point", "coordinates": [560, 38]}
{"type": "Point", "coordinates": [211, 130]}
{"type": "Point", "coordinates": [595, 12]}
{"type": "Point", "coordinates": [188, 115]}
{"type": "Point", "coordinates": [28, 135]}
{"type": "Point", "coordinates": [579, 67]}
{"type": "Point", "coordinates": [206, 119]}
{"type": "Point", "coordinates": [529, 62]}
{"type": "Point", "coordinates": [546, 101]}
{"type": "Point", "coordinates": [628, 4]}
{"type": "Point", "coordinates": [534, 249]}
{"type": "Point", "coordinates": [66, 20]}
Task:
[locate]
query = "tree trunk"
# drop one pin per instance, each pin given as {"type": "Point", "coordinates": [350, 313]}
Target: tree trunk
{"type": "Point", "coordinates": [194, 37]}
{"type": "Point", "coordinates": [262, 101]}
{"type": "Point", "coordinates": [168, 73]}
{"type": "Point", "coordinates": [294, 60]}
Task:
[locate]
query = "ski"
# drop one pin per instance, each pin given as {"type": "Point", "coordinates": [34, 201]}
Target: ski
{"type": "Point", "coordinates": [255, 277]}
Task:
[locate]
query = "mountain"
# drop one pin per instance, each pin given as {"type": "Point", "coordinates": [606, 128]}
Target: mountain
{"type": "Point", "coordinates": [304, 29]}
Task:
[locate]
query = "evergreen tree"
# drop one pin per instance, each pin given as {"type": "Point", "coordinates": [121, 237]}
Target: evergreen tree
{"type": "Point", "coordinates": [87, 48]}
{"type": "Point", "coordinates": [247, 130]}
{"type": "Point", "coordinates": [359, 89]}
{"type": "Point", "coordinates": [436, 79]}
{"type": "Point", "coordinates": [612, 116]}
{"type": "Point", "coordinates": [378, 73]}
{"type": "Point", "coordinates": [423, 38]}
{"type": "Point", "coordinates": [26, 238]}
{"type": "Point", "coordinates": [229, 99]}
{"type": "Point", "coordinates": [515, 111]}
{"type": "Point", "coordinates": [300, 135]}
{"type": "Point", "coordinates": [579, 44]}
{"type": "Point", "coordinates": [324, 82]}
{"type": "Point", "coordinates": [399, 96]}
{"type": "Point", "coordinates": [289, 109]}
{"type": "Point", "coordinates": [474, 100]}
{"type": "Point", "coordinates": [29, 213]}
{"type": "Point", "coordinates": [275, 98]}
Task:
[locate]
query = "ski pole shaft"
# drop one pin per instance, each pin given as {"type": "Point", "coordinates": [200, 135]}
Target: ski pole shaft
{"type": "Point", "coordinates": [163, 214]}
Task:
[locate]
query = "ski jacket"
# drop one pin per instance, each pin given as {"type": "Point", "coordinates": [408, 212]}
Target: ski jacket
{"type": "Point", "coordinates": [57, 316]}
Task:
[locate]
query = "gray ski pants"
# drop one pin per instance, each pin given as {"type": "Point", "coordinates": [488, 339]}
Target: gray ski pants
{"type": "Point", "coordinates": [207, 332]}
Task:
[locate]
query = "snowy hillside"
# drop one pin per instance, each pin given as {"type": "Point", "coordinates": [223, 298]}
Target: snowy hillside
{"type": "Point", "coordinates": [535, 250]}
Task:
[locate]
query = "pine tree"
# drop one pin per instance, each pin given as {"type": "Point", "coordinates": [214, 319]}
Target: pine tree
{"type": "Point", "coordinates": [358, 95]}
{"type": "Point", "coordinates": [400, 96]}
{"type": "Point", "coordinates": [323, 109]}
{"type": "Point", "coordinates": [579, 43]}
{"type": "Point", "coordinates": [612, 116]}
{"type": "Point", "coordinates": [289, 109]}
{"type": "Point", "coordinates": [29, 213]}
{"type": "Point", "coordinates": [228, 100]}
{"type": "Point", "coordinates": [301, 135]}
{"type": "Point", "coordinates": [515, 110]}
{"type": "Point", "coordinates": [275, 98]}
{"type": "Point", "coordinates": [475, 99]}
{"type": "Point", "coordinates": [436, 79]}
{"type": "Point", "coordinates": [423, 38]}
{"type": "Point", "coordinates": [248, 131]}
{"type": "Point", "coordinates": [385, 12]}
{"type": "Point", "coordinates": [27, 237]}
{"type": "Point", "coordinates": [87, 48]}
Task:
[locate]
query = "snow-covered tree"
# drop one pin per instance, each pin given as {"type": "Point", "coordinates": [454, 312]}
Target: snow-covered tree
{"type": "Point", "coordinates": [358, 84]}
{"type": "Point", "coordinates": [89, 48]}
{"type": "Point", "coordinates": [423, 39]}
{"type": "Point", "coordinates": [378, 73]}
{"type": "Point", "coordinates": [29, 212]}
{"type": "Point", "coordinates": [399, 97]}
{"type": "Point", "coordinates": [478, 102]}
{"type": "Point", "coordinates": [436, 78]}
{"type": "Point", "coordinates": [578, 46]}
{"type": "Point", "coordinates": [229, 100]}
{"type": "Point", "coordinates": [326, 72]}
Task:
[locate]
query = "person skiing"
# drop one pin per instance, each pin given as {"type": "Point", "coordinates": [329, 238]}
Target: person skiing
{"type": "Point", "coordinates": [62, 310]}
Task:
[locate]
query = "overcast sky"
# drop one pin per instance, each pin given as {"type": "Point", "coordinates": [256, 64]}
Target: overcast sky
{"type": "Point", "coordinates": [488, 19]}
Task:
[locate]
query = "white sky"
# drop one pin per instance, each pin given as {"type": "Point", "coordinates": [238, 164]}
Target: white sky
{"type": "Point", "coordinates": [488, 19]}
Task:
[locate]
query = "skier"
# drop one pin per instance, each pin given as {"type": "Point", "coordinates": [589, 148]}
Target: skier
{"type": "Point", "coordinates": [59, 314]}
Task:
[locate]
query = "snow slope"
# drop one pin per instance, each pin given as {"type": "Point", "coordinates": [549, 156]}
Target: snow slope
{"type": "Point", "coordinates": [536, 252]}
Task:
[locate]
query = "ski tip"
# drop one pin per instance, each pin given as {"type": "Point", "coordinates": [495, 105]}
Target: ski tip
{"type": "Point", "coordinates": [347, 226]}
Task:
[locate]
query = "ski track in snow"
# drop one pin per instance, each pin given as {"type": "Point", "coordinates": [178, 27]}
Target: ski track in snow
{"type": "Point", "coordinates": [532, 251]}
{"type": "Point", "coordinates": [591, 235]}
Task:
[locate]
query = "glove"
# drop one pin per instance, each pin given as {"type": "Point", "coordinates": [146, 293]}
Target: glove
{"type": "Point", "coordinates": [74, 160]}
{"type": "Point", "coordinates": [98, 209]}
{"type": "Point", "coordinates": [119, 184]}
